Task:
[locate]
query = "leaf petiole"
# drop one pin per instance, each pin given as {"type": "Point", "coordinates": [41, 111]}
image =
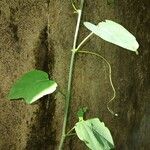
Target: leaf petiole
{"type": "Point", "coordinates": [84, 40]}
{"type": "Point", "coordinates": [69, 132]}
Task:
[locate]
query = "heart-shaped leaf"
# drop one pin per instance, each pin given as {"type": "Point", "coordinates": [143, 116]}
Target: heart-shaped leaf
{"type": "Point", "coordinates": [95, 135]}
{"type": "Point", "coordinates": [32, 86]}
{"type": "Point", "coordinates": [114, 33]}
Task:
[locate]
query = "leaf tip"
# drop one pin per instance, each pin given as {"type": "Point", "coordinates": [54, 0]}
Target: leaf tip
{"type": "Point", "coordinates": [137, 53]}
{"type": "Point", "coordinates": [116, 115]}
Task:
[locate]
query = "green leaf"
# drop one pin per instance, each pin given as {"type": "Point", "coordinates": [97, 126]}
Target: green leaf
{"type": "Point", "coordinates": [114, 33]}
{"type": "Point", "coordinates": [32, 86]}
{"type": "Point", "coordinates": [95, 135]}
{"type": "Point", "coordinates": [81, 113]}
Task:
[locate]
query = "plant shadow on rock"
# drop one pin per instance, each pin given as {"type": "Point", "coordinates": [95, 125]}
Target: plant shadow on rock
{"type": "Point", "coordinates": [42, 136]}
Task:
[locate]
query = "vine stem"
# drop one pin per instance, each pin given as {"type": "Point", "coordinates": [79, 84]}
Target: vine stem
{"type": "Point", "coordinates": [110, 79]}
{"type": "Point", "coordinates": [69, 87]}
{"type": "Point", "coordinates": [84, 40]}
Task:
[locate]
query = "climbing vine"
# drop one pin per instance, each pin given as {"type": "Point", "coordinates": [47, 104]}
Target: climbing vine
{"type": "Point", "coordinates": [35, 84]}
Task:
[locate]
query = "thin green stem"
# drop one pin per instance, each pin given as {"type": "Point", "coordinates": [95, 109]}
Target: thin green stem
{"type": "Point", "coordinates": [62, 94]}
{"type": "Point", "coordinates": [69, 132]}
{"type": "Point", "coordinates": [84, 40]}
{"type": "Point", "coordinates": [110, 78]}
{"type": "Point", "coordinates": [69, 88]}
{"type": "Point", "coordinates": [77, 29]}
{"type": "Point", "coordinates": [67, 103]}
{"type": "Point", "coordinates": [73, 5]}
